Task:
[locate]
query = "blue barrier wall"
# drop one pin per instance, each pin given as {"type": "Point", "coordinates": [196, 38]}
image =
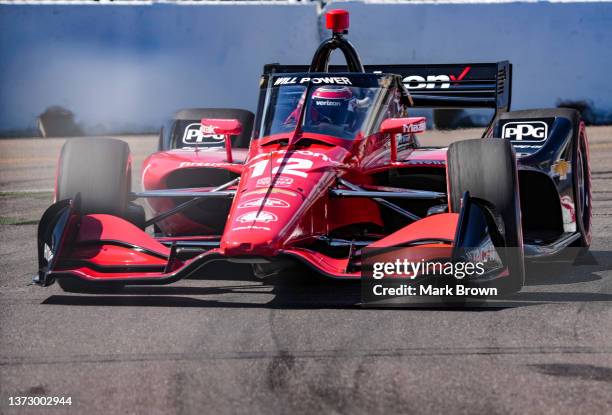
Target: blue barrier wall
{"type": "Point", "coordinates": [560, 51]}
{"type": "Point", "coordinates": [125, 68]}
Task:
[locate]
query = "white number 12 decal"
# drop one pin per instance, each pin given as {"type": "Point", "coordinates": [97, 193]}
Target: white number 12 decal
{"type": "Point", "coordinates": [291, 167]}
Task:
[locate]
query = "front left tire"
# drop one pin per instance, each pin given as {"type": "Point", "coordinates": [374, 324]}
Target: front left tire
{"type": "Point", "coordinates": [99, 171]}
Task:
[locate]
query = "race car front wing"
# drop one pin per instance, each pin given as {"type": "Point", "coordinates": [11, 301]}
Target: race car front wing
{"type": "Point", "coordinates": [101, 248]}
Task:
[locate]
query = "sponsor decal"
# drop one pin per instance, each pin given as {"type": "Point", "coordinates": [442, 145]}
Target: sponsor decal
{"type": "Point", "coordinates": [526, 146]}
{"type": "Point", "coordinates": [267, 202]}
{"type": "Point", "coordinates": [328, 103]}
{"type": "Point", "coordinates": [485, 253]}
{"type": "Point", "coordinates": [47, 253]}
{"type": "Point", "coordinates": [526, 131]}
{"type": "Point", "coordinates": [569, 214]}
{"type": "Point", "coordinates": [561, 168]}
{"type": "Point", "coordinates": [292, 166]}
{"type": "Point", "coordinates": [333, 80]}
{"type": "Point", "coordinates": [280, 182]}
{"type": "Point", "coordinates": [263, 190]}
{"type": "Point", "coordinates": [424, 162]}
{"type": "Point", "coordinates": [203, 164]}
{"type": "Point", "coordinates": [432, 81]}
{"type": "Point", "coordinates": [207, 129]}
{"type": "Point", "coordinates": [527, 149]}
{"type": "Point", "coordinates": [257, 216]}
{"type": "Point", "coordinates": [298, 152]}
{"type": "Point", "coordinates": [415, 128]}
{"type": "Point", "coordinates": [196, 133]}
{"type": "Point", "coordinates": [251, 228]}
{"type": "Point", "coordinates": [210, 149]}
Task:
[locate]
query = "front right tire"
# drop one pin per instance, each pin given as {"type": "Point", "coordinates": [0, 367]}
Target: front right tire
{"type": "Point", "coordinates": [487, 169]}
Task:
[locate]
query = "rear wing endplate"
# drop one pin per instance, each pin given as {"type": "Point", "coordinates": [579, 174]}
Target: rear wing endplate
{"type": "Point", "coordinates": [472, 85]}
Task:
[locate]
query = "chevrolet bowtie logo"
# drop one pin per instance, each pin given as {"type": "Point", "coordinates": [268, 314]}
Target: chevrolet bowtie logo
{"type": "Point", "coordinates": [561, 168]}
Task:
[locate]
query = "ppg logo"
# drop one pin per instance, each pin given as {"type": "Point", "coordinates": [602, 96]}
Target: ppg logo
{"type": "Point", "coordinates": [525, 131]}
{"type": "Point", "coordinates": [194, 135]}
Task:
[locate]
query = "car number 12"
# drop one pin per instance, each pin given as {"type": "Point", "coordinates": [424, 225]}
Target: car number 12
{"type": "Point", "coordinates": [291, 167]}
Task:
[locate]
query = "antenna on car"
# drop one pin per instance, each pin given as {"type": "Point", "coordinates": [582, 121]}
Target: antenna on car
{"type": "Point", "coordinates": [338, 22]}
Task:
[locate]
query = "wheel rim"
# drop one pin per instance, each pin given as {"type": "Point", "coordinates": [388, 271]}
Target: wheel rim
{"type": "Point", "coordinates": [583, 188]}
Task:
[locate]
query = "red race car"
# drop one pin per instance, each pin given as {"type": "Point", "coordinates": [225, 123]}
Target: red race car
{"type": "Point", "coordinates": [328, 168]}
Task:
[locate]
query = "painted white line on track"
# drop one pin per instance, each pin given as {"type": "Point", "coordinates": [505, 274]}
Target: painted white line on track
{"type": "Point", "coordinates": [4, 192]}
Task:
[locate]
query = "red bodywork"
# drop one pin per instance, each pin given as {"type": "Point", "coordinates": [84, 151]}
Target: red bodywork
{"type": "Point", "coordinates": [295, 194]}
{"type": "Point", "coordinates": [280, 206]}
{"type": "Point", "coordinates": [333, 168]}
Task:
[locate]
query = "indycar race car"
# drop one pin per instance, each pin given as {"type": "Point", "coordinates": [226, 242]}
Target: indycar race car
{"type": "Point", "coordinates": [327, 168]}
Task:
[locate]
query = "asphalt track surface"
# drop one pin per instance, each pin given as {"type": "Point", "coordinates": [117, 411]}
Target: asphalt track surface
{"type": "Point", "coordinates": [233, 344]}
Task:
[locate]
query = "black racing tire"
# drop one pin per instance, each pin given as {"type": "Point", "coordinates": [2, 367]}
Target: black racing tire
{"type": "Point", "coordinates": [99, 169]}
{"type": "Point", "coordinates": [71, 285]}
{"type": "Point", "coordinates": [487, 169]}
{"type": "Point", "coordinates": [170, 140]}
{"type": "Point", "coordinates": [582, 188]}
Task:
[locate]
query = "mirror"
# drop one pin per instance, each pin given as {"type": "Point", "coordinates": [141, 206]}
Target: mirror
{"type": "Point", "coordinates": [394, 126]}
{"type": "Point", "coordinates": [220, 126]}
{"type": "Point", "coordinates": [226, 127]}
{"type": "Point", "coordinates": [408, 125]}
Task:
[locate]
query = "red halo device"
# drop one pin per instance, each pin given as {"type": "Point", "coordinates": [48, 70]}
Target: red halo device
{"type": "Point", "coordinates": [337, 20]}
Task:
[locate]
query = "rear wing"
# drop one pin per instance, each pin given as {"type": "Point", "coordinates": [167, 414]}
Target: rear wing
{"type": "Point", "coordinates": [473, 85]}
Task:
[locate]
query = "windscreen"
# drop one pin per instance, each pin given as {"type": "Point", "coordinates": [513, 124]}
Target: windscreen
{"type": "Point", "coordinates": [341, 109]}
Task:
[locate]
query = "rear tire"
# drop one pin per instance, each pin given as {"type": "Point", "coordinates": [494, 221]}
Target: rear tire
{"type": "Point", "coordinates": [100, 170]}
{"type": "Point", "coordinates": [487, 169]}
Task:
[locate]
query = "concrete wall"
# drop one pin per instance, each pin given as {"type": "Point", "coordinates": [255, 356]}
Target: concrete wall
{"type": "Point", "coordinates": [124, 68]}
{"type": "Point", "coordinates": [560, 51]}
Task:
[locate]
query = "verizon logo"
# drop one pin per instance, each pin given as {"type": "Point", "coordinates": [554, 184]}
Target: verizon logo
{"type": "Point", "coordinates": [433, 81]}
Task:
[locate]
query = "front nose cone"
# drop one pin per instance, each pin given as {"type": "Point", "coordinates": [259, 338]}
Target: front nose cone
{"type": "Point", "coordinates": [253, 245]}
{"type": "Point", "coordinates": [261, 220]}
{"type": "Point", "coordinates": [276, 191]}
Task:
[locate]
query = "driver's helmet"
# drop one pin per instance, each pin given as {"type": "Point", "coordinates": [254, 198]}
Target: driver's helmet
{"type": "Point", "coordinates": [331, 103]}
